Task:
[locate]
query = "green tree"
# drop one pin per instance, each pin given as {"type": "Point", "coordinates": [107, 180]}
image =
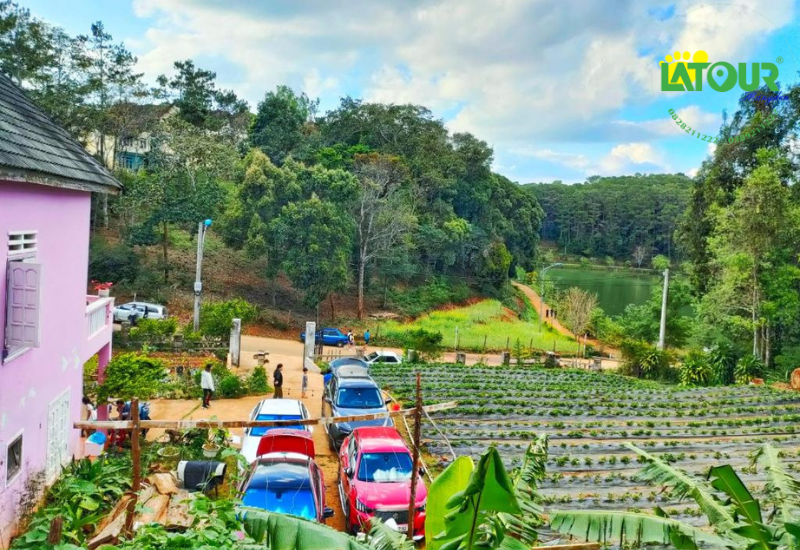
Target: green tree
{"type": "Point", "coordinates": [216, 318]}
{"type": "Point", "coordinates": [643, 321]}
{"type": "Point", "coordinates": [312, 246]}
{"type": "Point", "coordinates": [279, 122]}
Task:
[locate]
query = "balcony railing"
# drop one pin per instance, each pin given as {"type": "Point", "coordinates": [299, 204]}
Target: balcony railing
{"type": "Point", "coordinates": [98, 314]}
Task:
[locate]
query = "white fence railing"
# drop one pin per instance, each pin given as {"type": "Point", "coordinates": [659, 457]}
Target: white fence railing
{"type": "Point", "coordinates": [98, 314]}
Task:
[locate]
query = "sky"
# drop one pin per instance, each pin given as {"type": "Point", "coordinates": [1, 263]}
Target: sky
{"type": "Point", "coordinates": [561, 89]}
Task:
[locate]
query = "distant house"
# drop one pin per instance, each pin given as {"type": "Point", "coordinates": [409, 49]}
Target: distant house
{"type": "Point", "coordinates": [50, 327]}
{"type": "Point", "coordinates": [129, 149]}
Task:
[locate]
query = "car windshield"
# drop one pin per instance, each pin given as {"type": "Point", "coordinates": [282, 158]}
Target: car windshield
{"type": "Point", "coordinates": [258, 432]}
{"type": "Point", "coordinates": [372, 356]}
{"type": "Point", "coordinates": [384, 467]}
{"type": "Point", "coordinates": [359, 398]}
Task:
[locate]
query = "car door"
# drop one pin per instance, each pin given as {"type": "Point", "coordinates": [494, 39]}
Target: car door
{"type": "Point", "coordinates": [327, 402]}
{"type": "Point", "coordinates": [347, 459]}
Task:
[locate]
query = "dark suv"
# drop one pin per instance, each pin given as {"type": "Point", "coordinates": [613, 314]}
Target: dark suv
{"type": "Point", "coordinates": [348, 397]}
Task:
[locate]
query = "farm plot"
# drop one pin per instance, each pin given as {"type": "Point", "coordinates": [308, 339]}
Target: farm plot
{"type": "Point", "coordinates": [590, 416]}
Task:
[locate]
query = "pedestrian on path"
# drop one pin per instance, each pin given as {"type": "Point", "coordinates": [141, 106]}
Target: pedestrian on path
{"type": "Point", "coordinates": [207, 383]}
{"type": "Point", "coordinates": [351, 340]}
{"type": "Point", "coordinates": [366, 338]}
{"type": "Point", "coordinates": [304, 386]}
{"type": "Point", "coordinates": [277, 382]}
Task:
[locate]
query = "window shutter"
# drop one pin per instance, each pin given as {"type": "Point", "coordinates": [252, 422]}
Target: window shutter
{"type": "Point", "coordinates": [22, 299]}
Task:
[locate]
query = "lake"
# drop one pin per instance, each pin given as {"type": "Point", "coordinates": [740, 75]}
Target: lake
{"type": "Point", "coordinates": [615, 288]}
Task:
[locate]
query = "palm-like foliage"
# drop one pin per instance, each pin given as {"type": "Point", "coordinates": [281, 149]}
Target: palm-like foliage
{"type": "Point", "coordinates": [732, 512]}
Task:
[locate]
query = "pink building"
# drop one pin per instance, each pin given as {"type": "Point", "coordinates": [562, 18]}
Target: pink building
{"type": "Point", "coordinates": [50, 326]}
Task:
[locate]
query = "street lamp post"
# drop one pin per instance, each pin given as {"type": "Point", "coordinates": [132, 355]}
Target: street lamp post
{"type": "Point", "coordinates": [541, 294]}
{"type": "Point", "coordinates": [202, 227]}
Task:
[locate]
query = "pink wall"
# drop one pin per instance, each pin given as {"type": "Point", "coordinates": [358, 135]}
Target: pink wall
{"type": "Point", "coordinates": [29, 383]}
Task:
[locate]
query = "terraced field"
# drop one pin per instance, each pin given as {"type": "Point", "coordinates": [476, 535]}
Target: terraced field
{"type": "Point", "coordinates": [589, 416]}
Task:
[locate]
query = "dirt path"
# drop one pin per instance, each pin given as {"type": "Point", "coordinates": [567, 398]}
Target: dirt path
{"type": "Point", "coordinates": [533, 296]}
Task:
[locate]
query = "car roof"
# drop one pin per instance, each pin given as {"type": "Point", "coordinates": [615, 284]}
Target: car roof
{"type": "Point", "coordinates": [148, 304]}
{"type": "Point", "coordinates": [342, 361]}
{"type": "Point", "coordinates": [280, 406]}
{"type": "Point", "coordinates": [357, 383]}
{"type": "Point", "coordinates": [352, 371]}
{"type": "Point", "coordinates": [379, 439]}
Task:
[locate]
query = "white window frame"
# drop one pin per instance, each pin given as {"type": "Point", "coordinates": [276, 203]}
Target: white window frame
{"type": "Point", "coordinates": [21, 436]}
{"type": "Point", "coordinates": [28, 240]}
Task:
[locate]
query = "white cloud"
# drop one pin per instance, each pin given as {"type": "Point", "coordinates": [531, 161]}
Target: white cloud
{"type": "Point", "coordinates": [624, 158]}
{"type": "Point", "coordinates": [692, 172]}
{"type": "Point", "coordinates": [513, 72]}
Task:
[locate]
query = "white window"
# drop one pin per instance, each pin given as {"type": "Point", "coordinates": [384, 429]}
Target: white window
{"type": "Point", "coordinates": [22, 243]}
{"type": "Point", "coordinates": [14, 458]}
{"type": "Point", "coordinates": [22, 308]}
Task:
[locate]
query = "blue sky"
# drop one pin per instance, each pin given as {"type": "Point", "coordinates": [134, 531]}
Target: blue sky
{"type": "Point", "coordinates": [562, 89]}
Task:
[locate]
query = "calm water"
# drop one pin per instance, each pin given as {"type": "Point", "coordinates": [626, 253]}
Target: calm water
{"type": "Point", "coordinates": [615, 288]}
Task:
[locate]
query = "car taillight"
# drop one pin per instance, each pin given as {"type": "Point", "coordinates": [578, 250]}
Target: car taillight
{"type": "Point", "coordinates": [361, 507]}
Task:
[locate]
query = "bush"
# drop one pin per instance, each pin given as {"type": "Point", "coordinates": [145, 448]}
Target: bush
{"type": "Point", "coordinates": [426, 343]}
{"type": "Point", "coordinates": [257, 383]}
{"type": "Point", "coordinates": [132, 375]}
{"type": "Point", "coordinates": [417, 300]}
{"type": "Point", "coordinates": [695, 369]}
{"type": "Point", "coordinates": [216, 318]}
{"type": "Point", "coordinates": [643, 360]}
{"type": "Point", "coordinates": [154, 330]}
{"type": "Point", "coordinates": [231, 386]}
{"type": "Point", "coordinates": [747, 368]}
{"type": "Point", "coordinates": [722, 361]}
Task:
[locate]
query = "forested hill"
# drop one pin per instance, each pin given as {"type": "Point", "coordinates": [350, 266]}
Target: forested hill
{"type": "Point", "coordinates": [626, 217]}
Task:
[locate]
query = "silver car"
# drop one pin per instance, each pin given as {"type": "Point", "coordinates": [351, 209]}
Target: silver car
{"type": "Point", "coordinates": [153, 311]}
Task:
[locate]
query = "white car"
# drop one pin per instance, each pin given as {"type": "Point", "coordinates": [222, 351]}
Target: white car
{"type": "Point", "coordinates": [390, 357]}
{"type": "Point", "coordinates": [154, 311]}
{"type": "Point", "coordinates": [272, 409]}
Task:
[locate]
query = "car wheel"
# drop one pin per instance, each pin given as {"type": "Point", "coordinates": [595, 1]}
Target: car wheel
{"type": "Point", "coordinates": [340, 344]}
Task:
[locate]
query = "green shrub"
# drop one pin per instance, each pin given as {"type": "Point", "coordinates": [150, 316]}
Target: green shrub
{"type": "Point", "coordinates": [132, 375]}
{"type": "Point", "coordinates": [257, 383]}
{"type": "Point", "coordinates": [216, 318]}
{"type": "Point", "coordinates": [643, 360]}
{"type": "Point", "coordinates": [747, 368]}
{"type": "Point", "coordinates": [231, 386]}
{"type": "Point", "coordinates": [427, 344]}
{"type": "Point", "coordinates": [722, 361]}
{"type": "Point", "coordinates": [695, 369]}
{"type": "Point", "coordinates": [154, 330]}
{"type": "Point", "coordinates": [419, 299]}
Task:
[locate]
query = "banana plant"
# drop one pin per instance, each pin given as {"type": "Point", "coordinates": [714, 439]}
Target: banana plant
{"type": "Point", "coordinates": [736, 519]}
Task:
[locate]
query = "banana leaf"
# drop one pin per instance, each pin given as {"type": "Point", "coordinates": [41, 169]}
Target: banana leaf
{"type": "Point", "coordinates": [608, 527]}
{"type": "Point", "coordinates": [782, 487]}
{"type": "Point", "coordinates": [282, 532]}
{"type": "Point", "coordinates": [526, 480]}
{"type": "Point", "coordinates": [452, 480]}
{"type": "Point", "coordinates": [382, 537]}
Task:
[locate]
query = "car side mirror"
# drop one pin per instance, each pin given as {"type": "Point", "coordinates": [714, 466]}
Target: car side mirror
{"type": "Point", "coordinates": [387, 401]}
{"type": "Point", "coordinates": [422, 471]}
{"type": "Point", "coordinates": [348, 472]}
{"type": "Point", "coordinates": [327, 399]}
{"type": "Point", "coordinates": [328, 512]}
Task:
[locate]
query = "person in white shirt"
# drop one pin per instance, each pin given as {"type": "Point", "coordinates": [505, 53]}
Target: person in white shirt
{"type": "Point", "coordinates": [207, 383]}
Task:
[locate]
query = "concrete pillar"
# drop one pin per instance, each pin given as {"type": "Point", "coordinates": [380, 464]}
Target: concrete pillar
{"type": "Point", "coordinates": [103, 358]}
{"type": "Point", "coordinates": [311, 331]}
{"type": "Point", "coordinates": [236, 342]}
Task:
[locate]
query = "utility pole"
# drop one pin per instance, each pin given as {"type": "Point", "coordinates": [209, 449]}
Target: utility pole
{"type": "Point", "coordinates": [541, 294]}
{"type": "Point", "coordinates": [662, 334]}
{"type": "Point", "coordinates": [202, 227]}
{"type": "Point", "coordinates": [412, 503]}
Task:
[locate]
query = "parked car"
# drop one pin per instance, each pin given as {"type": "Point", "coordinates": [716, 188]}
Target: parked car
{"type": "Point", "coordinates": [375, 480]}
{"type": "Point", "coordinates": [329, 337]}
{"type": "Point", "coordinates": [348, 397]}
{"type": "Point", "coordinates": [383, 357]}
{"type": "Point", "coordinates": [154, 311]}
{"type": "Point", "coordinates": [272, 409]}
{"type": "Point", "coordinates": [284, 477]}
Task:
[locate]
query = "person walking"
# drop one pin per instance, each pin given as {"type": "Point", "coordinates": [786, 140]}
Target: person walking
{"type": "Point", "coordinates": [304, 385]}
{"type": "Point", "coordinates": [277, 381]}
{"type": "Point", "coordinates": [89, 414]}
{"type": "Point", "coordinates": [207, 384]}
{"type": "Point", "coordinates": [351, 340]}
{"type": "Point", "coordinates": [366, 338]}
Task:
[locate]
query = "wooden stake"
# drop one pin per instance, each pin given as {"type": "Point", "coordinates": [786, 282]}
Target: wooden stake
{"type": "Point", "coordinates": [56, 528]}
{"type": "Point", "coordinates": [136, 454]}
{"type": "Point", "coordinates": [412, 503]}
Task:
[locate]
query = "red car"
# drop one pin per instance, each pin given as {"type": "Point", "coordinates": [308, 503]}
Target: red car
{"type": "Point", "coordinates": [284, 477]}
{"type": "Point", "coordinates": [375, 480]}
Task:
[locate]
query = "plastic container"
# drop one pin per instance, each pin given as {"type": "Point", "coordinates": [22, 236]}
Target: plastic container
{"type": "Point", "coordinates": [95, 444]}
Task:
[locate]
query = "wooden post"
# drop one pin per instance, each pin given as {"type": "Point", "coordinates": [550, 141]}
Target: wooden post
{"type": "Point", "coordinates": [56, 528]}
{"type": "Point", "coordinates": [484, 342]}
{"type": "Point", "coordinates": [412, 503]}
{"type": "Point", "coordinates": [136, 483]}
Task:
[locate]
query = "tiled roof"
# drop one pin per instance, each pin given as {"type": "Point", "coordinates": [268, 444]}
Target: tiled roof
{"type": "Point", "coordinates": [32, 144]}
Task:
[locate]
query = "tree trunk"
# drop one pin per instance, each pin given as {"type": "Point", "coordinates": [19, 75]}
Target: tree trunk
{"type": "Point", "coordinates": [361, 273]}
{"type": "Point", "coordinates": [105, 210]}
{"type": "Point", "coordinates": [165, 247]}
{"type": "Point", "coordinates": [333, 307]}
{"type": "Point", "coordinates": [767, 347]}
{"type": "Point", "coordinates": [755, 317]}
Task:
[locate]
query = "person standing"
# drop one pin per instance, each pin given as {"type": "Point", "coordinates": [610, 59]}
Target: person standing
{"type": "Point", "coordinates": [277, 381]}
{"type": "Point", "coordinates": [304, 385]}
{"type": "Point", "coordinates": [351, 340]}
{"type": "Point", "coordinates": [366, 338]}
{"type": "Point", "coordinates": [89, 414]}
{"type": "Point", "coordinates": [207, 383]}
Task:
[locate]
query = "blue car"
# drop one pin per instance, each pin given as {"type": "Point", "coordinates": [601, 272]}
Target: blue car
{"type": "Point", "coordinates": [329, 337]}
{"type": "Point", "coordinates": [349, 397]}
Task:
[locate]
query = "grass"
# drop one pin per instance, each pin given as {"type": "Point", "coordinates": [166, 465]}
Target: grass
{"type": "Point", "coordinates": [487, 320]}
